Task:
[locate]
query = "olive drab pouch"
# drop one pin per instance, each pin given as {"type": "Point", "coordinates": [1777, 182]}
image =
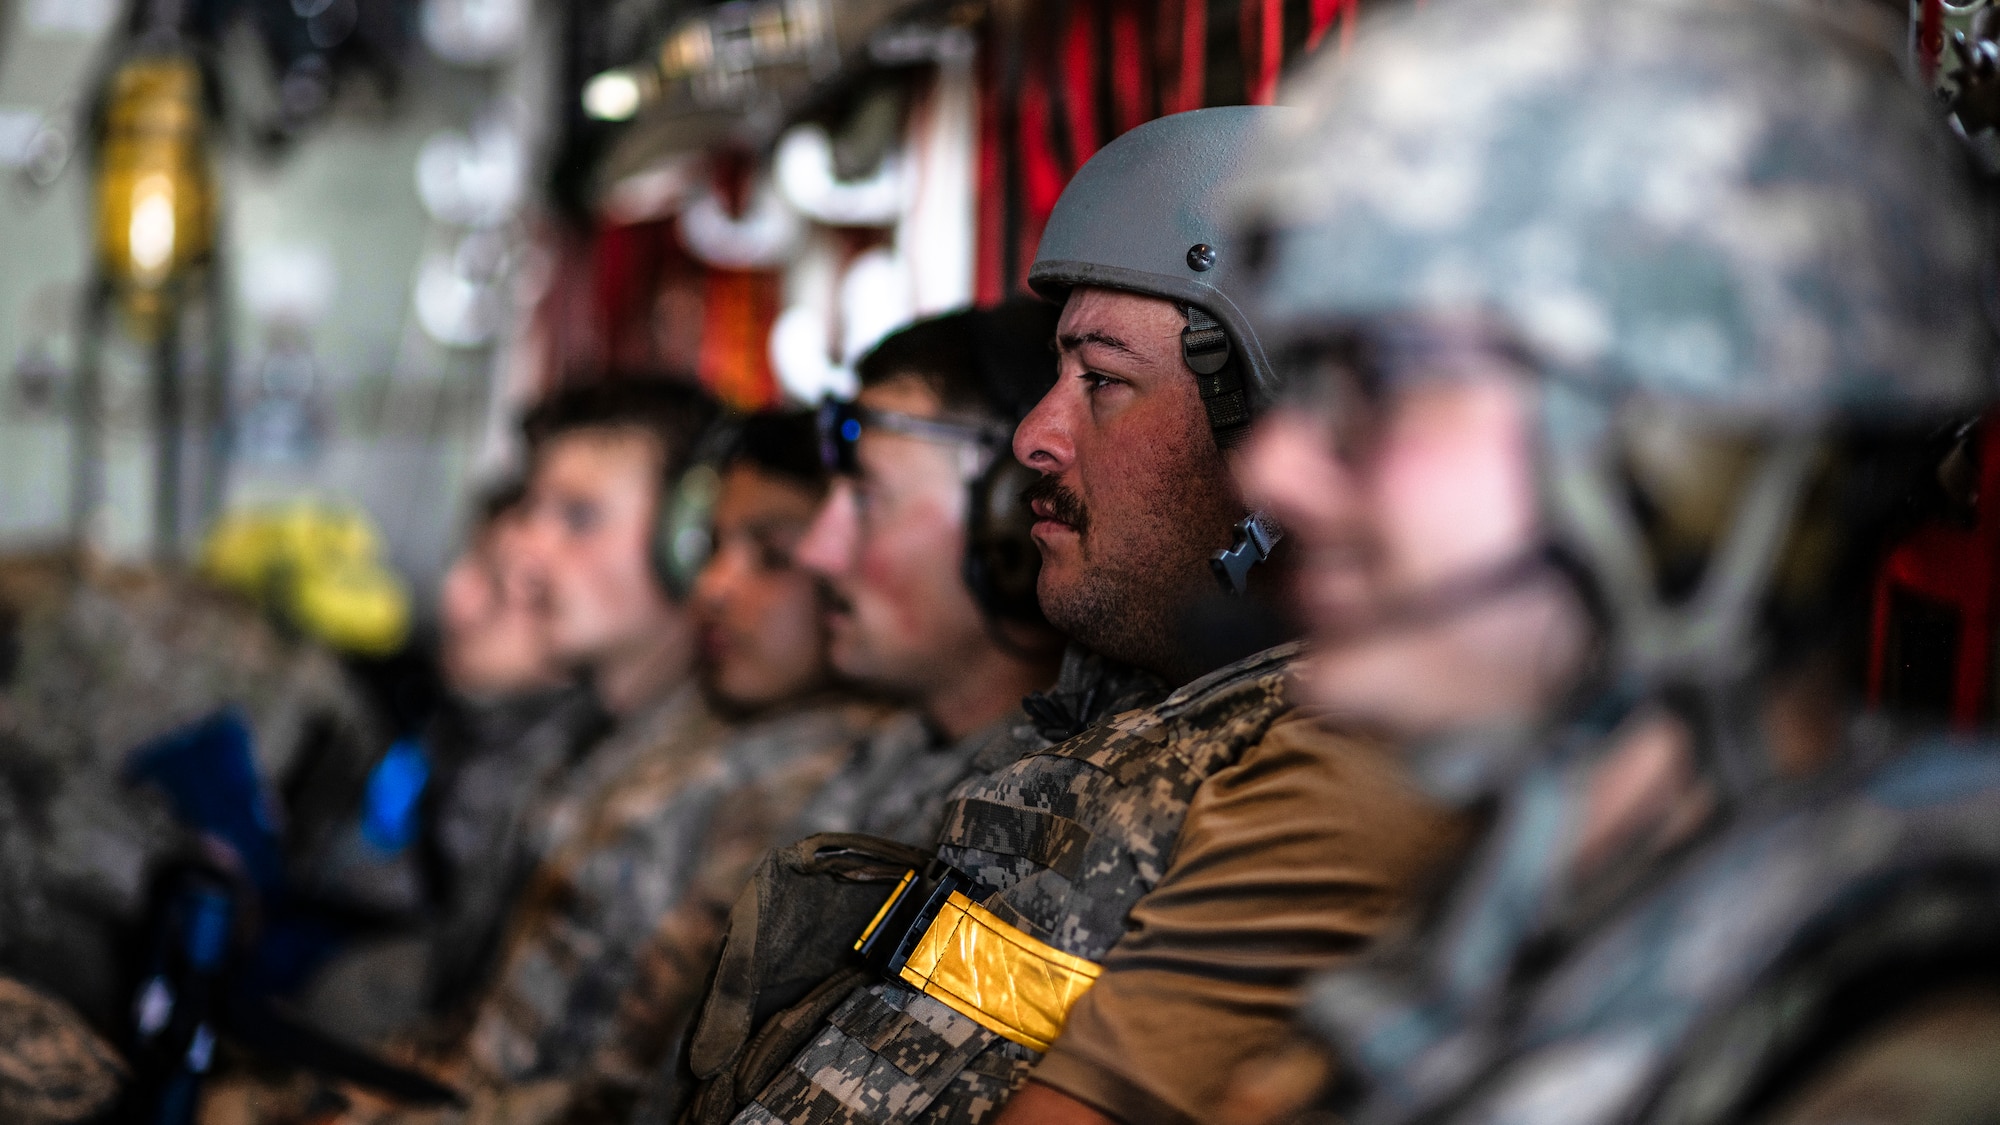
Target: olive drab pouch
{"type": "Point", "coordinates": [788, 959]}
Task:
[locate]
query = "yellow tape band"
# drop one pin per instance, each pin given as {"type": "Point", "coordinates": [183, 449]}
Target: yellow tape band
{"type": "Point", "coordinates": [884, 912]}
{"type": "Point", "coordinates": [993, 974]}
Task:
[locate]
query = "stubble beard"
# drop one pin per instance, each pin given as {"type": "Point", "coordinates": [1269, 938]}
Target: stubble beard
{"type": "Point", "coordinates": [1130, 594]}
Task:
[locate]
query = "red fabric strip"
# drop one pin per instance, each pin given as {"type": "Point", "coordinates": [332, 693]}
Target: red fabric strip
{"type": "Point", "coordinates": [1930, 39]}
{"type": "Point", "coordinates": [989, 286]}
{"type": "Point", "coordinates": [1273, 26]}
{"type": "Point", "coordinates": [1194, 55]}
{"type": "Point", "coordinates": [1323, 14]}
{"type": "Point", "coordinates": [1042, 174]}
{"type": "Point", "coordinates": [1079, 78]}
{"type": "Point", "coordinates": [1128, 67]}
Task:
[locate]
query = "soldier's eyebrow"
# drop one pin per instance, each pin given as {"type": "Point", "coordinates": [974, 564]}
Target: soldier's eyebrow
{"type": "Point", "coordinates": [1071, 341]}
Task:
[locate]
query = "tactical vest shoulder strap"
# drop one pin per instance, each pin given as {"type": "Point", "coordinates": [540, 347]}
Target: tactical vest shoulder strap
{"type": "Point", "coordinates": [1203, 727]}
{"type": "Point", "coordinates": [1041, 837]}
{"type": "Point", "coordinates": [1225, 705]}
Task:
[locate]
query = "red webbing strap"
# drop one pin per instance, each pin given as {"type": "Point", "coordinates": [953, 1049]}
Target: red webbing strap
{"type": "Point", "coordinates": [1319, 17]}
{"type": "Point", "coordinates": [990, 283]}
{"type": "Point", "coordinates": [1261, 68]}
{"type": "Point", "coordinates": [1130, 105]}
{"type": "Point", "coordinates": [1042, 173]}
{"type": "Point", "coordinates": [1194, 56]}
{"type": "Point", "coordinates": [618, 279]}
{"type": "Point", "coordinates": [1930, 40]}
{"type": "Point", "coordinates": [1323, 15]}
{"type": "Point", "coordinates": [1079, 79]}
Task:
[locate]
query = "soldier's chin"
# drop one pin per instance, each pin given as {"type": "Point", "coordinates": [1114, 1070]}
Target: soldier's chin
{"type": "Point", "coordinates": [1061, 573]}
{"type": "Point", "coordinates": [575, 646]}
{"type": "Point", "coordinates": [745, 685]}
{"type": "Point", "coordinates": [845, 652]}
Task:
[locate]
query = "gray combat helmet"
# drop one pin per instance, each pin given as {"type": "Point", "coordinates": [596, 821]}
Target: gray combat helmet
{"type": "Point", "coordinates": [1721, 235]}
{"type": "Point", "coordinates": [1149, 214]}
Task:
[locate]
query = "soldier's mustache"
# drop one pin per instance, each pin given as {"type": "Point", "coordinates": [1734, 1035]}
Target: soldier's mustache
{"type": "Point", "coordinates": [1058, 501]}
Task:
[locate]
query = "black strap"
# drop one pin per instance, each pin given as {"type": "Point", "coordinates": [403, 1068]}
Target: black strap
{"type": "Point", "coordinates": [1205, 348]}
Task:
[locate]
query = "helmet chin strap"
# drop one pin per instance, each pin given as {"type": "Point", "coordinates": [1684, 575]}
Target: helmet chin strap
{"type": "Point", "coordinates": [1205, 348]}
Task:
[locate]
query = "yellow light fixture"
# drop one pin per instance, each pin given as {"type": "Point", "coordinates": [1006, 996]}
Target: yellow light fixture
{"type": "Point", "coordinates": [154, 200]}
{"type": "Point", "coordinates": [151, 234]}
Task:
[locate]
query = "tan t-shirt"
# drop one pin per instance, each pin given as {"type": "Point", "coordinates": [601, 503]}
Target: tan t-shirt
{"type": "Point", "coordinates": [1288, 863]}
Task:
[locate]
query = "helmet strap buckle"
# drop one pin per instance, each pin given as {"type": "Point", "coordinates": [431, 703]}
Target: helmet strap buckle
{"type": "Point", "coordinates": [1257, 534]}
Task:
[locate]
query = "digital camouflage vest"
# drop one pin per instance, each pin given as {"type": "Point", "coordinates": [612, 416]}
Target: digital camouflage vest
{"type": "Point", "coordinates": [1690, 997]}
{"type": "Point", "coordinates": [1060, 845]}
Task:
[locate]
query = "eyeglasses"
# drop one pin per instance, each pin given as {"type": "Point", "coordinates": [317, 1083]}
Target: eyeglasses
{"type": "Point", "coordinates": [841, 424]}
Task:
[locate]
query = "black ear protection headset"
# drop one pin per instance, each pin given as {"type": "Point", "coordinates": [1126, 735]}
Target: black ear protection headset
{"type": "Point", "coordinates": [1001, 562]}
{"type": "Point", "coordinates": [684, 524]}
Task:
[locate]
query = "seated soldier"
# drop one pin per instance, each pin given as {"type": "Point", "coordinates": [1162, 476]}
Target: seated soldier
{"type": "Point", "coordinates": [763, 640]}
{"type": "Point", "coordinates": [630, 900]}
{"type": "Point", "coordinates": [602, 457]}
{"type": "Point", "coordinates": [513, 723]}
{"type": "Point", "coordinates": [1119, 916]}
{"type": "Point", "coordinates": [1598, 451]}
{"type": "Point", "coordinates": [923, 549]}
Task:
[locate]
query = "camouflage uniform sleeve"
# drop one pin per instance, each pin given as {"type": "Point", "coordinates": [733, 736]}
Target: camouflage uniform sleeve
{"type": "Point", "coordinates": [1289, 862]}
{"type": "Point", "coordinates": [674, 963]}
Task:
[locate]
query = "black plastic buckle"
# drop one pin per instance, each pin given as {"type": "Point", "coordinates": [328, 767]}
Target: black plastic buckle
{"type": "Point", "coordinates": [911, 909]}
{"type": "Point", "coordinates": [1255, 536]}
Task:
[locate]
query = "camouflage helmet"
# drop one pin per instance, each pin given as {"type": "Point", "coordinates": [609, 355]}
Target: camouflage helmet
{"type": "Point", "coordinates": [1732, 205]}
{"type": "Point", "coordinates": [1719, 237]}
{"type": "Point", "coordinates": [1148, 214]}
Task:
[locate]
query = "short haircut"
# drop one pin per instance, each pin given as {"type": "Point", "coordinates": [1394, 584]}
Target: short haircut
{"type": "Point", "coordinates": [779, 443]}
{"type": "Point", "coordinates": [673, 414]}
{"type": "Point", "coordinates": [989, 363]}
{"type": "Point", "coordinates": [497, 501]}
